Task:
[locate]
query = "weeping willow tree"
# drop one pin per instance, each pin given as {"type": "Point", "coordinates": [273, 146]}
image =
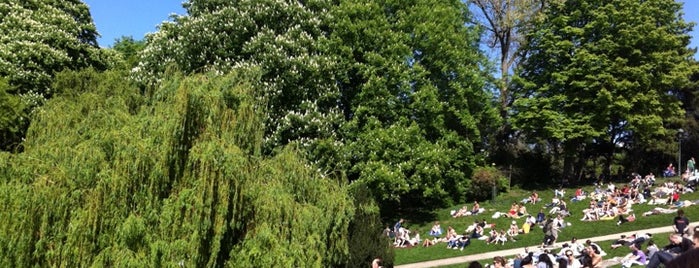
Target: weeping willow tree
{"type": "Point", "coordinates": [110, 178]}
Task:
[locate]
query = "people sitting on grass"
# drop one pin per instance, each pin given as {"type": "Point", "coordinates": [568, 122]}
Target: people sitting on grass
{"type": "Point", "coordinates": [559, 192]}
{"type": "Point", "coordinates": [472, 227]}
{"type": "Point", "coordinates": [402, 238]}
{"type": "Point", "coordinates": [534, 198]}
{"type": "Point", "coordinates": [561, 208]}
{"type": "Point", "coordinates": [678, 245]}
{"type": "Point", "coordinates": [497, 237]}
{"type": "Point", "coordinates": [512, 213]}
{"type": "Point", "coordinates": [527, 225]}
{"type": "Point", "coordinates": [513, 230]}
{"type": "Point", "coordinates": [540, 217]}
{"type": "Point", "coordinates": [432, 242]}
{"type": "Point", "coordinates": [636, 256]}
{"type": "Point", "coordinates": [463, 211]}
{"type": "Point", "coordinates": [669, 171]}
{"type": "Point", "coordinates": [591, 213]}
{"type": "Point", "coordinates": [559, 222]}
{"type": "Point", "coordinates": [478, 233]}
{"type": "Point", "coordinates": [476, 208]}
{"type": "Point", "coordinates": [651, 248]}
{"type": "Point", "coordinates": [579, 195]}
{"type": "Point", "coordinates": [436, 230]}
{"type": "Point", "coordinates": [522, 211]}
{"type": "Point", "coordinates": [463, 241]}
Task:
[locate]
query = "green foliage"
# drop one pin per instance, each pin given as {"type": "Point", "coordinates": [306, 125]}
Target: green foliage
{"type": "Point", "coordinates": [333, 74]}
{"type": "Point", "coordinates": [128, 49]}
{"type": "Point", "coordinates": [482, 182]}
{"type": "Point", "coordinates": [37, 40]}
{"type": "Point", "coordinates": [12, 117]}
{"type": "Point", "coordinates": [109, 178]}
{"type": "Point", "coordinates": [364, 229]}
{"type": "Point", "coordinates": [413, 99]}
{"type": "Point", "coordinates": [40, 38]}
{"type": "Point", "coordinates": [601, 75]}
{"type": "Point", "coordinates": [280, 38]}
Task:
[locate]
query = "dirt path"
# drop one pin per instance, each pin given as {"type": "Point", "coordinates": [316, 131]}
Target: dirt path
{"type": "Point", "coordinates": [510, 252]}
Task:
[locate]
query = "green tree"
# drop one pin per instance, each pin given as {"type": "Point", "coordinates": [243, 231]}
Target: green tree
{"type": "Point", "coordinates": [412, 93]}
{"type": "Point", "coordinates": [279, 37]}
{"type": "Point", "coordinates": [128, 49]}
{"type": "Point", "coordinates": [39, 39]}
{"type": "Point", "coordinates": [12, 117]}
{"type": "Point", "coordinates": [110, 178]}
{"type": "Point", "coordinates": [603, 76]}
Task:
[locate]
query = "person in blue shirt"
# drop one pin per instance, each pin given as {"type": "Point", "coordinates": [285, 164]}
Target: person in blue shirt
{"type": "Point", "coordinates": [540, 217]}
{"type": "Point", "coordinates": [398, 224]}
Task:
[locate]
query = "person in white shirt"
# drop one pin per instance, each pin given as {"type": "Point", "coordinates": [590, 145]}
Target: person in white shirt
{"type": "Point", "coordinates": [572, 261]}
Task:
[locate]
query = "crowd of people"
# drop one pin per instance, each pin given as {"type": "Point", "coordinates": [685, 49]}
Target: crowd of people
{"type": "Point", "coordinates": [605, 202]}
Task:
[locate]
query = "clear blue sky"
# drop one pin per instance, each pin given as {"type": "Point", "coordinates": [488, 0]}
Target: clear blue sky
{"type": "Point", "coordinates": [135, 18]}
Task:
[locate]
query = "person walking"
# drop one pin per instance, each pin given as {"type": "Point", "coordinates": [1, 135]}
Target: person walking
{"type": "Point", "coordinates": [690, 166]}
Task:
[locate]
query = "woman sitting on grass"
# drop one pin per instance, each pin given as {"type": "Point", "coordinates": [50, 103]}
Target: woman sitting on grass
{"type": "Point", "coordinates": [476, 208]}
{"type": "Point", "coordinates": [436, 230]}
{"type": "Point", "coordinates": [512, 213]}
{"type": "Point", "coordinates": [498, 237]}
{"type": "Point", "coordinates": [514, 230]}
{"type": "Point", "coordinates": [534, 198]}
{"type": "Point", "coordinates": [522, 211]}
{"type": "Point", "coordinates": [463, 211]}
{"type": "Point", "coordinates": [590, 214]}
{"type": "Point", "coordinates": [477, 233]}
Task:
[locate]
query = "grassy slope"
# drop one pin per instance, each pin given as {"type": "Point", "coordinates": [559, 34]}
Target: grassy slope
{"type": "Point", "coordinates": [578, 229]}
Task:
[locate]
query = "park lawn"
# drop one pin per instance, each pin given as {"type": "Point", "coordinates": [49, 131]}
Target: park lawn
{"type": "Point", "coordinates": [579, 229]}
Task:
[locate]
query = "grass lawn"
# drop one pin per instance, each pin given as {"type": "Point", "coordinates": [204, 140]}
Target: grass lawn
{"type": "Point", "coordinates": [578, 228]}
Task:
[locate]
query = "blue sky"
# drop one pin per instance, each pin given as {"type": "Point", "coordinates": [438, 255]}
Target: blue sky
{"type": "Point", "coordinates": [135, 18]}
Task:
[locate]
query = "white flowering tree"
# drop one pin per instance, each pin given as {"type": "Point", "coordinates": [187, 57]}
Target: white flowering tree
{"type": "Point", "coordinates": [40, 38]}
{"type": "Point", "coordinates": [278, 37]}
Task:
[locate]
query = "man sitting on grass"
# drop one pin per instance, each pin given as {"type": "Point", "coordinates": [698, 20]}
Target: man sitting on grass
{"type": "Point", "coordinates": [677, 246]}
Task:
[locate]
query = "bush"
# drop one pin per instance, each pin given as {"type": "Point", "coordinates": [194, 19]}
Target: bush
{"type": "Point", "coordinates": [482, 182]}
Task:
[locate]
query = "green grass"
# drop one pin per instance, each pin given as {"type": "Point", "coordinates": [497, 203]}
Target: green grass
{"type": "Point", "coordinates": [578, 229]}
